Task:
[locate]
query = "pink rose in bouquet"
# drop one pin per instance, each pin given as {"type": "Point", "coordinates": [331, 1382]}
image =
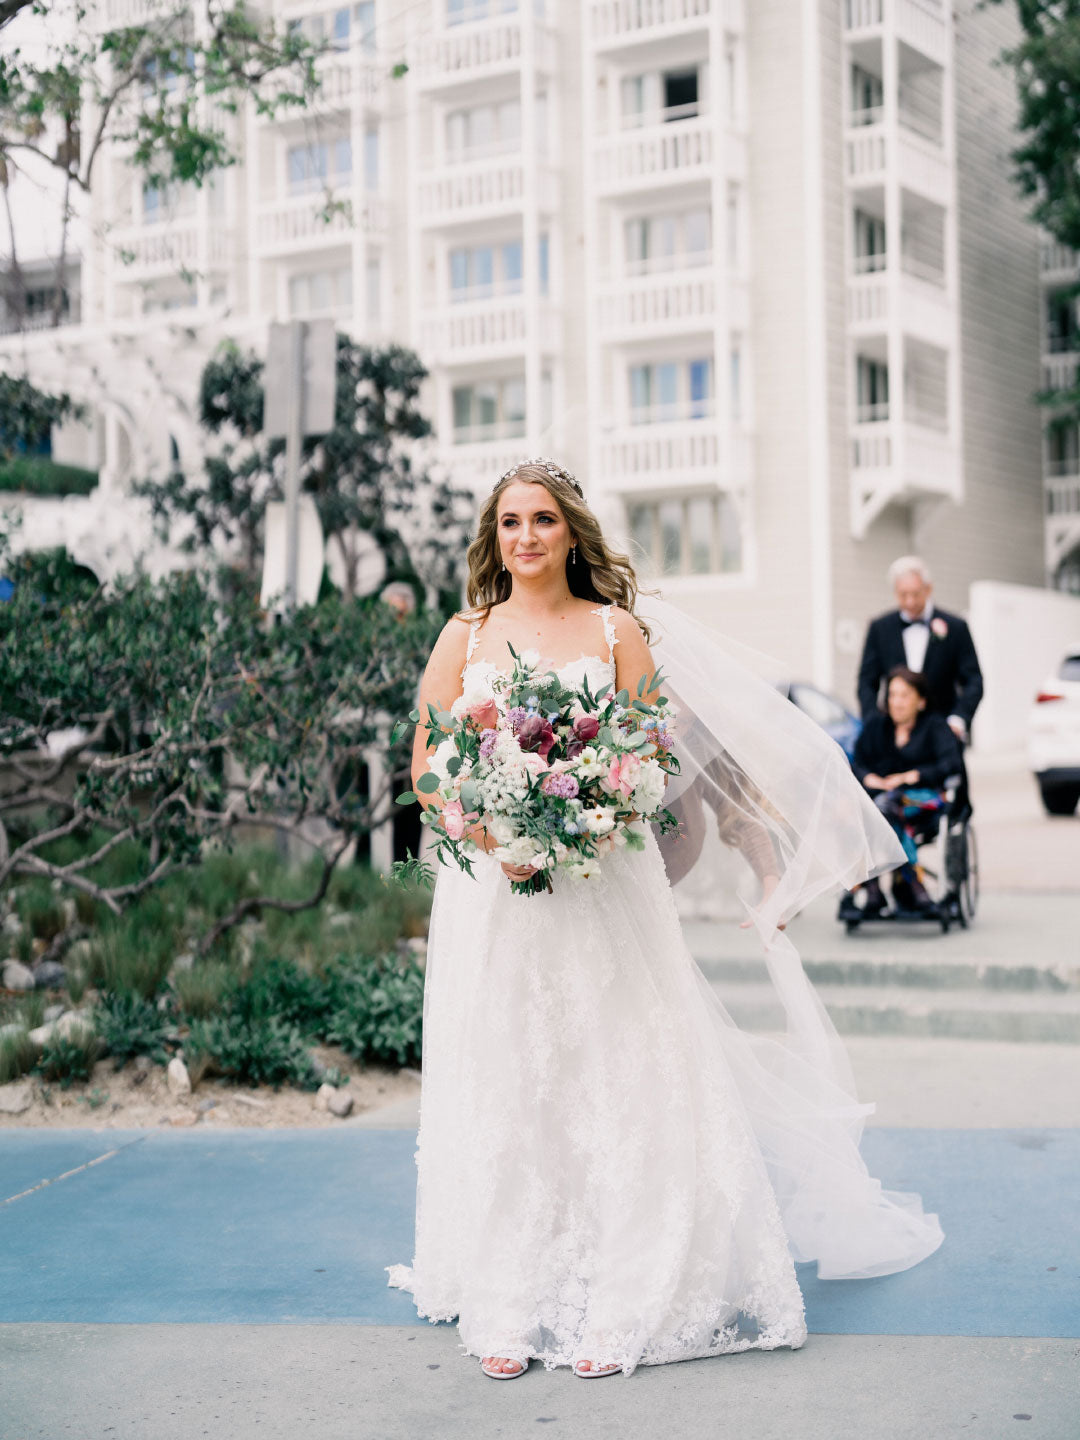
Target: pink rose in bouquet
{"type": "Point", "coordinates": [455, 820]}
{"type": "Point", "coordinates": [485, 714]}
{"type": "Point", "coordinates": [623, 774]}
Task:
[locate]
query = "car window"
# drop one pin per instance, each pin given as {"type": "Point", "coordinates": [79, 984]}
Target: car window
{"type": "Point", "coordinates": [1070, 668]}
{"type": "Point", "coordinates": [821, 708]}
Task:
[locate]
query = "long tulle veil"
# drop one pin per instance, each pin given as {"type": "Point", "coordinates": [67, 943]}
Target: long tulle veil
{"type": "Point", "coordinates": [763, 787]}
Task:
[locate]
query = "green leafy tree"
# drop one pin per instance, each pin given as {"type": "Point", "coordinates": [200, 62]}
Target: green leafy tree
{"type": "Point", "coordinates": [27, 414]}
{"type": "Point", "coordinates": [175, 745]}
{"type": "Point", "coordinates": [362, 475]}
{"type": "Point", "coordinates": [1046, 63]}
{"type": "Point", "coordinates": [168, 89]}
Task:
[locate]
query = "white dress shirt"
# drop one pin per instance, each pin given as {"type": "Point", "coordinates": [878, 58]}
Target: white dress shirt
{"type": "Point", "coordinates": [916, 637]}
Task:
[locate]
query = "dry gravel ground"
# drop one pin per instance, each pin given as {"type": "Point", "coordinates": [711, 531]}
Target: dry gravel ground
{"type": "Point", "coordinates": [130, 1099]}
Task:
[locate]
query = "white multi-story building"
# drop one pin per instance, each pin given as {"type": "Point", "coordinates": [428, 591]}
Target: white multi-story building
{"type": "Point", "coordinates": [755, 269]}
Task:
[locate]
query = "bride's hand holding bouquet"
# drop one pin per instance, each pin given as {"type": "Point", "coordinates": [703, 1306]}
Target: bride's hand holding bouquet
{"type": "Point", "coordinates": [546, 777]}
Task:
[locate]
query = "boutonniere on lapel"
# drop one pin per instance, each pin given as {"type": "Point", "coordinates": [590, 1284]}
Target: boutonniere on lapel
{"type": "Point", "coordinates": [938, 628]}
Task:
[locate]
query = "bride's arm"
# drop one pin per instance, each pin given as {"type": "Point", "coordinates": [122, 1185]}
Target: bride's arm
{"type": "Point", "coordinates": [633, 658]}
{"type": "Point", "coordinates": [440, 687]}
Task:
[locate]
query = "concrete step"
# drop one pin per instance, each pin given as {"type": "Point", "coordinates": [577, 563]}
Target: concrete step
{"type": "Point", "coordinates": [963, 1013]}
{"type": "Point", "coordinates": [924, 973]}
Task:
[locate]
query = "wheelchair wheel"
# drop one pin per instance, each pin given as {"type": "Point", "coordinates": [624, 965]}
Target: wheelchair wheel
{"type": "Point", "coordinates": [968, 891]}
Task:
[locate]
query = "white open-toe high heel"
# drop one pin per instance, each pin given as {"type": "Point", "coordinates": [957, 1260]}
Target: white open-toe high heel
{"type": "Point", "coordinates": [594, 1373]}
{"type": "Point", "coordinates": [504, 1374]}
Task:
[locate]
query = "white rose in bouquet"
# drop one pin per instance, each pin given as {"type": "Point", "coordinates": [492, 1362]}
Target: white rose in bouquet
{"type": "Point", "coordinates": [649, 790]}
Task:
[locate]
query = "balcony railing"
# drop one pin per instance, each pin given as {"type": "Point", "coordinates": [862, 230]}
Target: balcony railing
{"type": "Point", "coordinates": [920, 23]}
{"type": "Point", "coordinates": [667, 153]}
{"type": "Point", "coordinates": [922, 166]}
{"type": "Point", "coordinates": [453, 193]}
{"type": "Point", "coordinates": [39, 320]}
{"type": "Point", "coordinates": [168, 246]}
{"type": "Point", "coordinates": [899, 461]}
{"type": "Point", "coordinates": [1063, 466]}
{"type": "Point", "coordinates": [463, 54]}
{"type": "Point", "coordinates": [1055, 259]}
{"type": "Point", "coordinates": [622, 20]}
{"type": "Point", "coordinates": [684, 454]}
{"type": "Point", "coordinates": [922, 308]}
{"type": "Point", "coordinates": [874, 414]}
{"type": "Point", "coordinates": [302, 220]}
{"type": "Point", "coordinates": [657, 303]}
{"type": "Point", "coordinates": [1059, 372]}
{"type": "Point", "coordinates": [485, 331]}
{"type": "Point", "coordinates": [1063, 496]}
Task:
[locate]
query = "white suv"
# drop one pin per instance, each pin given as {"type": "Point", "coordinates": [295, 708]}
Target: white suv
{"type": "Point", "coordinates": [1054, 737]}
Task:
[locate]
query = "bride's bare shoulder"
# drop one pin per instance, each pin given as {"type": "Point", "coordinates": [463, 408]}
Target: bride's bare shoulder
{"type": "Point", "coordinates": [452, 642]}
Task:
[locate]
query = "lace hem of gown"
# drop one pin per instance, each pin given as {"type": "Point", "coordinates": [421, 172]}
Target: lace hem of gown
{"type": "Point", "coordinates": [708, 1330]}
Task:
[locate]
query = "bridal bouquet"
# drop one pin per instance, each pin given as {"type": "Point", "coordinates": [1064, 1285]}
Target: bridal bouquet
{"type": "Point", "coordinates": [559, 776]}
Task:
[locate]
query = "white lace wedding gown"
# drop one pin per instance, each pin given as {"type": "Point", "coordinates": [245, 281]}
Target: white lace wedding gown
{"type": "Point", "coordinates": [590, 1185]}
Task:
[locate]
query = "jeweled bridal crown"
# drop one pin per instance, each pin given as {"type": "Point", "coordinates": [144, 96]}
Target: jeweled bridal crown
{"type": "Point", "coordinates": [555, 470]}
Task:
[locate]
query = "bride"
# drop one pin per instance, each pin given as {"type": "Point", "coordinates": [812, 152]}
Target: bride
{"type": "Point", "coordinates": [611, 1172]}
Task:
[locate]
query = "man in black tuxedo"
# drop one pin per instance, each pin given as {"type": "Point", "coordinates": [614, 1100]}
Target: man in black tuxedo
{"type": "Point", "coordinates": [931, 642]}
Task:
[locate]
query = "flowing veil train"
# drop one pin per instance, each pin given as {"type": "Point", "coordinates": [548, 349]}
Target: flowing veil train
{"type": "Point", "coordinates": [763, 780]}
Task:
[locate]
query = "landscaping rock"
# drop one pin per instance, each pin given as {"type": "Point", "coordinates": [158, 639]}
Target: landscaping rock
{"type": "Point", "coordinates": [49, 974]}
{"type": "Point", "coordinates": [323, 1096]}
{"type": "Point", "coordinates": [53, 1012]}
{"type": "Point", "coordinates": [143, 1064]}
{"type": "Point", "coordinates": [70, 1020]}
{"type": "Point", "coordinates": [319, 1068]}
{"type": "Point", "coordinates": [177, 1077]}
{"type": "Point", "coordinates": [16, 976]}
{"type": "Point", "coordinates": [340, 1104]}
{"type": "Point", "coordinates": [12, 925]}
{"type": "Point", "coordinates": [16, 1097]}
{"type": "Point", "coordinates": [184, 961]}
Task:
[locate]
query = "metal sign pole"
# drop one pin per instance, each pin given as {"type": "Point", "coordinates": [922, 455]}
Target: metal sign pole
{"type": "Point", "coordinates": [293, 424]}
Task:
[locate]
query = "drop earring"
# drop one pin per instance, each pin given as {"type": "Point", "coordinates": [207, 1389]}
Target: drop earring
{"type": "Point", "coordinates": [573, 554]}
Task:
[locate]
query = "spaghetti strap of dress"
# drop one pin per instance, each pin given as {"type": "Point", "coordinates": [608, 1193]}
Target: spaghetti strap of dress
{"type": "Point", "coordinates": [474, 635]}
{"type": "Point", "coordinates": [609, 629]}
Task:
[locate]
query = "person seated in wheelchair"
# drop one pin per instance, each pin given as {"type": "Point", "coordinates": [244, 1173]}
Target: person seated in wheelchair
{"type": "Point", "coordinates": [903, 757]}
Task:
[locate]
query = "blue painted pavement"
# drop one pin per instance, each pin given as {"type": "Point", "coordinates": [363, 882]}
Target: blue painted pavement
{"type": "Point", "coordinates": [276, 1226]}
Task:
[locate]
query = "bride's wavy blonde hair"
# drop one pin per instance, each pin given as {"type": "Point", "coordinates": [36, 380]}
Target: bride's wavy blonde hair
{"type": "Point", "coordinates": [599, 573]}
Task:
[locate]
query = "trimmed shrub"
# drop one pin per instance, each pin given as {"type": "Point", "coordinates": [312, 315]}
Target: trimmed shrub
{"type": "Point", "coordinates": [67, 1058]}
{"type": "Point", "coordinates": [130, 1026]}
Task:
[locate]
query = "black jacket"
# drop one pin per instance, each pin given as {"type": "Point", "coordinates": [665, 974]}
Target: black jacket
{"type": "Point", "coordinates": [932, 749]}
{"type": "Point", "coordinates": [951, 668]}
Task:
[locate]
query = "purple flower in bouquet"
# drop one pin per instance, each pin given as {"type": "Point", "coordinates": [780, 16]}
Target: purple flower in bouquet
{"type": "Point", "coordinates": [487, 743]}
{"type": "Point", "coordinates": [563, 787]}
{"type": "Point", "coordinates": [516, 717]}
{"type": "Point", "coordinates": [535, 733]}
{"type": "Point", "coordinates": [586, 728]}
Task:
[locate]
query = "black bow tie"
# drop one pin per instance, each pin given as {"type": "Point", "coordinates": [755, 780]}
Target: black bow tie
{"type": "Point", "coordinates": [905, 623]}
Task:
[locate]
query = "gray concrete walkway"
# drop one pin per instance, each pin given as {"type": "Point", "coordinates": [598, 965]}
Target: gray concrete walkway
{"type": "Point", "coordinates": [346, 1382]}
